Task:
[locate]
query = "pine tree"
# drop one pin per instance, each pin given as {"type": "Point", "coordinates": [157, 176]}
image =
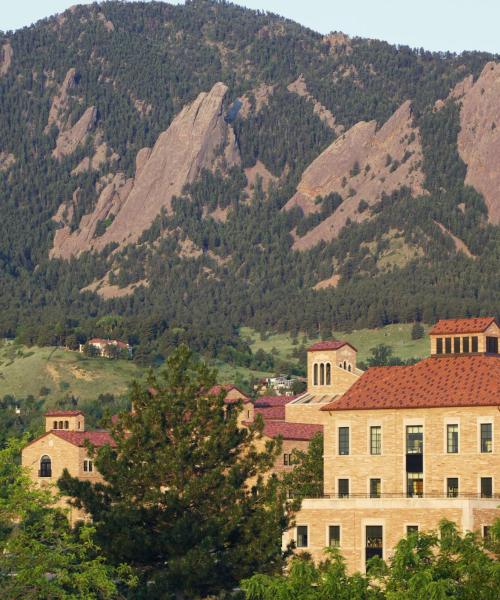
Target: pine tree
{"type": "Point", "coordinates": [185, 498]}
{"type": "Point", "coordinates": [417, 331]}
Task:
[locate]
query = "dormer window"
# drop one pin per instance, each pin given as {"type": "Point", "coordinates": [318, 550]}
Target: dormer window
{"type": "Point", "coordinates": [54, 425]}
{"type": "Point", "coordinates": [475, 345]}
{"type": "Point", "coordinates": [447, 345]}
{"type": "Point", "coordinates": [456, 345]}
{"type": "Point", "coordinates": [465, 345]}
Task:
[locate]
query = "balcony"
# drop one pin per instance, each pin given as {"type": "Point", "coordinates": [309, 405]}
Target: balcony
{"type": "Point", "coordinates": [419, 496]}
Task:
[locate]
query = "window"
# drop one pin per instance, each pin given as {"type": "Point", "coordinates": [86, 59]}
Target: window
{"type": "Point", "coordinates": [334, 536]}
{"type": "Point", "coordinates": [415, 485]}
{"type": "Point", "coordinates": [452, 439]}
{"type": "Point", "coordinates": [343, 488]}
{"type": "Point", "coordinates": [376, 439]}
{"type": "Point", "coordinates": [414, 439]}
{"type": "Point", "coordinates": [78, 424]}
{"type": "Point", "coordinates": [88, 467]}
{"type": "Point", "coordinates": [465, 344]}
{"type": "Point", "coordinates": [411, 529]}
{"type": "Point", "coordinates": [486, 437]}
{"type": "Point", "coordinates": [302, 536]}
{"type": "Point", "coordinates": [322, 374]}
{"type": "Point", "coordinates": [66, 424]}
{"type": "Point", "coordinates": [287, 459]}
{"type": "Point", "coordinates": [447, 345]}
{"type": "Point", "coordinates": [349, 368]}
{"type": "Point", "coordinates": [486, 532]}
{"type": "Point", "coordinates": [45, 467]}
{"type": "Point", "coordinates": [456, 345]}
{"type": "Point", "coordinates": [374, 541]}
{"type": "Point", "coordinates": [60, 424]}
{"type": "Point", "coordinates": [315, 376]}
{"type": "Point", "coordinates": [328, 373]}
{"type": "Point", "coordinates": [486, 487]}
{"type": "Point", "coordinates": [492, 345]}
{"type": "Point", "coordinates": [475, 346]}
{"type": "Point", "coordinates": [54, 425]}
{"type": "Point", "coordinates": [439, 346]}
{"type": "Point", "coordinates": [343, 440]}
{"type": "Point", "coordinates": [452, 487]}
{"type": "Point", "coordinates": [375, 488]}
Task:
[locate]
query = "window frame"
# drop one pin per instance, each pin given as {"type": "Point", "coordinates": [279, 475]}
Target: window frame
{"type": "Point", "coordinates": [45, 472]}
{"type": "Point", "coordinates": [481, 423]}
{"type": "Point", "coordinates": [343, 495]}
{"type": "Point", "coordinates": [439, 345]}
{"type": "Point", "coordinates": [306, 526]}
{"type": "Point", "coordinates": [465, 344]}
{"type": "Point", "coordinates": [371, 440]}
{"type": "Point", "coordinates": [341, 440]}
{"type": "Point", "coordinates": [328, 545]}
{"type": "Point", "coordinates": [474, 343]}
{"type": "Point", "coordinates": [370, 480]}
{"type": "Point", "coordinates": [455, 449]}
{"type": "Point", "coordinates": [407, 447]}
{"type": "Point", "coordinates": [447, 345]}
{"type": "Point", "coordinates": [481, 479]}
{"type": "Point", "coordinates": [447, 487]}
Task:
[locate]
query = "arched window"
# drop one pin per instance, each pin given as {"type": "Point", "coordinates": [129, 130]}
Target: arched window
{"type": "Point", "coordinates": [322, 374]}
{"type": "Point", "coordinates": [60, 424]}
{"type": "Point", "coordinates": [78, 424]}
{"type": "Point", "coordinates": [345, 365]}
{"type": "Point", "coordinates": [66, 424]}
{"type": "Point", "coordinates": [349, 368]}
{"type": "Point", "coordinates": [328, 374]}
{"type": "Point", "coordinates": [315, 378]}
{"type": "Point", "coordinates": [54, 425]}
{"type": "Point", "coordinates": [45, 467]}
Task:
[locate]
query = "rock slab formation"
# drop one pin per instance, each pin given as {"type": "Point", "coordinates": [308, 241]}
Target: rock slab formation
{"type": "Point", "coordinates": [6, 54]}
{"type": "Point", "coordinates": [362, 164]}
{"type": "Point", "coordinates": [198, 138]}
{"type": "Point", "coordinates": [479, 137]}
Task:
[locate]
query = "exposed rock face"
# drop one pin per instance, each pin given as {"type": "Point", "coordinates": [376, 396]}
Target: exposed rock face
{"type": "Point", "coordinates": [6, 161]}
{"type": "Point", "coordinates": [60, 101]}
{"type": "Point", "coordinates": [261, 95]}
{"type": "Point", "coordinates": [299, 87]}
{"type": "Point", "coordinates": [479, 137]}
{"type": "Point", "coordinates": [69, 140]}
{"type": "Point", "coordinates": [95, 162]}
{"type": "Point", "coordinates": [360, 165]}
{"type": "Point", "coordinates": [193, 142]}
{"type": "Point", "coordinates": [6, 55]}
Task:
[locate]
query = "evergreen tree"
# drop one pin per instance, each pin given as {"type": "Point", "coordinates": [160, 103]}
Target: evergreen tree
{"type": "Point", "coordinates": [417, 331]}
{"type": "Point", "coordinates": [185, 498]}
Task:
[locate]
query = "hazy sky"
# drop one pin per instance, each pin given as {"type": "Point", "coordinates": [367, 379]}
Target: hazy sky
{"type": "Point", "coordinates": [454, 25]}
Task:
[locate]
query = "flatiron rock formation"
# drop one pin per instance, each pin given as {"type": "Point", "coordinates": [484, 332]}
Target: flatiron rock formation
{"type": "Point", "coordinates": [362, 164]}
{"type": "Point", "coordinates": [479, 137]}
{"type": "Point", "coordinates": [198, 138]}
{"type": "Point", "coordinates": [6, 54]}
{"type": "Point", "coordinates": [299, 87]}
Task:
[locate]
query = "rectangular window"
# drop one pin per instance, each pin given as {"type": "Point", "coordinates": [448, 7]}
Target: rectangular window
{"type": "Point", "coordinates": [486, 438]}
{"type": "Point", "coordinates": [376, 439]}
{"type": "Point", "coordinates": [475, 345]}
{"type": "Point", "coordinates": [447, 345]}
{"type": "Point", "coordinates": [375, 488]}
{"type": "Point", "coordinates": [415, 485]}
{"type": "Point", "coordinates": [343, 488]}
{"type": "Point", "coordinates": [452, 487]}
{"type": "Point", "coordinates": [465, 344]}
{"type": "Point", "coordinates": [87, 466]}
{"type": "Point", "coordinates": [302, 536]}
{"type": "Point", "coordinates": [452, 439]}
{"type": "Point", "coordinates": [334, 535]}
{"type": "Point", "coordinates": [374, 541]}
{"type": "Point", "coordinates": [492, 345]}
{"type": "Point", "coordinates": [414, 439]}
{"type": "Point", "coordinates": [411, 529]}
{"type": "Point", "coordinates": [54, 425]}
{"type": "Point", "coordinates": [287, 459]}
{"type": "Point", "coordinates": [439, 346]}
{"type": "Point", "coordinates": [486, 532]}
{"type": "Point", "coordinates": [486, 487]}
{"type": "Point", "coordinates": [343, 440]}
{"type": "Point", "coordinates": [456, 345]}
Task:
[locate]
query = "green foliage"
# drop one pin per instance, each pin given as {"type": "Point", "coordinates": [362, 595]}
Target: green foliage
{"type": "Point", "coordinates": [306, 478]}
{"type": "Point", "coordinates": [424, 566]}
{"type": "Point", "coordinates": [40, 557]}
{"type": "Point", "coordinates": [417, 331]}
{"type": "Point", "coordinates": [181, 459]}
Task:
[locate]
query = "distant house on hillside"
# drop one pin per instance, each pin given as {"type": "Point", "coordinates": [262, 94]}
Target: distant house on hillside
{"type": "Point", "coordinates": [107, 348]}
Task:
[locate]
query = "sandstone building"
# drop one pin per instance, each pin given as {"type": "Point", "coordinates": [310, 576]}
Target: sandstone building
{"type": "Point", "coordinates": [407, 446]}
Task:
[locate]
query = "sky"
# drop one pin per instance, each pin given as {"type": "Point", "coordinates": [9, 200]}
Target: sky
{"type": "Point", "coordinates": [454, 25]}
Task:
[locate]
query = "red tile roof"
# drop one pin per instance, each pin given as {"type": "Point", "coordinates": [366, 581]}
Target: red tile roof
{"type": "Point", "coordinates": [78, 438]}
{"type": "Point", "coordinates": [431, 383]}
{"type": "Point", "coordinates": [330, 345]}
{"type": "Point", "coordinates": [63, 413]}
{"type": "Point", "coordinates": [227, 387]}
{"type": "Point", "coordinates": [450, 326]}
{"type": "Point", "coordinates": [272, 407]}
{"type": "Point", "coordinates": [292, 431]}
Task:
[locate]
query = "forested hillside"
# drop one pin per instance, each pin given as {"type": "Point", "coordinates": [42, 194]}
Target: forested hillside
{"type": "Point", "coordinates": [322, 183]}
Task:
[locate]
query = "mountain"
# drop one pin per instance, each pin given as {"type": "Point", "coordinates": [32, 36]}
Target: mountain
{"type": "Point", "coordinates": [171, 173]}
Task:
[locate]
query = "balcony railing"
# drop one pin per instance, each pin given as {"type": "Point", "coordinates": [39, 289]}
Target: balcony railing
{"type": "Point", "coordinates": [477, 496]}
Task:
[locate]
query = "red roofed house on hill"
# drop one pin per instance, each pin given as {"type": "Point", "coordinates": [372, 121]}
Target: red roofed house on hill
{"type": "Point", "coordinates": [108, 348]}
{"type": "Point", "coordinates": [62, 446]}
{"type": "Point", "coordinates": [407, 446]}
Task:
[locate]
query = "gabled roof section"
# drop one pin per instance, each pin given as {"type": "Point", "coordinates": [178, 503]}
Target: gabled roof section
{"type": "Point", "coordinates": [78, 438]}
{"type": "Point", "coordinates": [228, 387]}
{"type": "Point", "coordinates": [292, 431]}
{"type": "Point", "coordinates": [272, 407]}
{"type": "Point", "coordinates": [453, 381]}
{"type": "Point", "coordinates": [451, 326]}
{"type": "Point", "coordinates": [330, 345]}
{"type": "Point", "coordinates": [63, 413]}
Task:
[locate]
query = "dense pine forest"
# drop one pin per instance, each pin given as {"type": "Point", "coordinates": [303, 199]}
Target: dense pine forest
{"type": "Point", "coordinates": [139, 64]}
